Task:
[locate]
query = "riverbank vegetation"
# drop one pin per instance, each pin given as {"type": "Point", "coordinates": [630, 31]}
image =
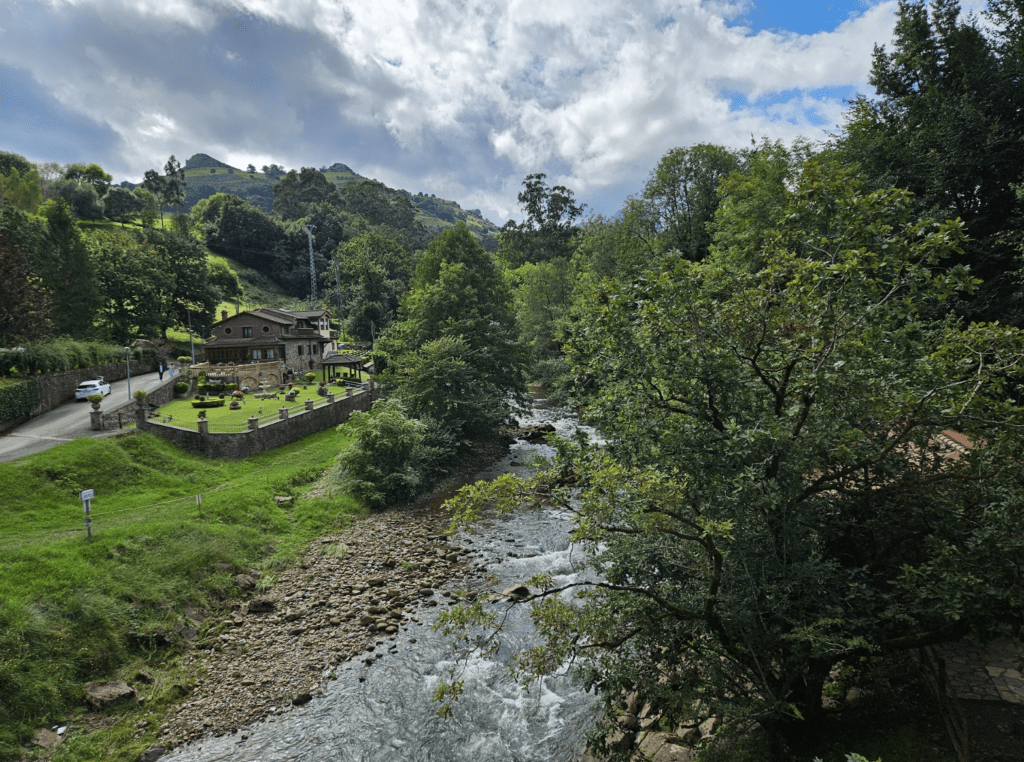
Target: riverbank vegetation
{"type": "Point", "coordinates": [74, 610]}
{"type": "Point", "coordinates": [806, 363]}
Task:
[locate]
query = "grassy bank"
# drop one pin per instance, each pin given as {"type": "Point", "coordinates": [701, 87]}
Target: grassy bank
{"type": "Point", "coordinates": [73, 610]}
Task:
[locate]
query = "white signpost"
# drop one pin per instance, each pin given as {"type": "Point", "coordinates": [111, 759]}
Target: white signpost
{"type": "Point", "coordinates": [86, 498]}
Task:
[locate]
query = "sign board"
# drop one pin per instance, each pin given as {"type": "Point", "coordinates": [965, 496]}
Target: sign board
{"type": "Point", "coordinates": [87, 494]}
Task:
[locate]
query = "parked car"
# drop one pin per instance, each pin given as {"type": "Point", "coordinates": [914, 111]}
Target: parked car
{"type": "Point", "coordinates": [92, 386]}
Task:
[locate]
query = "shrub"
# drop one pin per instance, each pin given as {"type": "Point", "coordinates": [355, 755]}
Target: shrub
{"type": "Point", "coordinates": [94, 398]}
{"type": "Point", "coordinates": [180, 387]}
{"type": "Point", "coordinates": [140, 396]}
{"type": "Point", "coordinates": [310, 377]}
{"type": "Point", "coordinates": [384, 464]}
{"type": "Point", "coordinates": [207, 403]}
{"type": "Point", "coordinates": [185, 360]}
{"type": "Point", "coordinates": [18, 398]}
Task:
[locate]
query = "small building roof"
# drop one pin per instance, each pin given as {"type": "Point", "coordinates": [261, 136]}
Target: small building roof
{"type": "Point", "coordinates": [342, 360]}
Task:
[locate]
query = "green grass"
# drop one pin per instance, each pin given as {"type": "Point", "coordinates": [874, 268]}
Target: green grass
{"type": "Point", "coordinates": [73, 610]}
{"type": "Point", "coordinates": [181, 411]}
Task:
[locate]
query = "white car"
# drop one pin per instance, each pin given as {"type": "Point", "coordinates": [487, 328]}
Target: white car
{"type": "Point", "coordinates": [92, 386]}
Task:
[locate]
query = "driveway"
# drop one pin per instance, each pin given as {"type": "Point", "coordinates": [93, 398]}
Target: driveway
{"type": "Point", "coordinates": [69, 421]}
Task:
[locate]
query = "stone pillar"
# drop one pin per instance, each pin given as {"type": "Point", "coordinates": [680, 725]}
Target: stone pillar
{"type": "Point", "coordinates": [330, 398]}
{"type": "Point", "coordinates": [96, 420]}
{"type": "Point", "coordinates": [204, 426]}
{"type": "Point", "coordinates": [282, 413]}
{"type": "Point", "coordinates": [141, 421]}
{"type": "Point", "coordinates": [309, 404]}
{"type": "Point", "coordinates": [254, 423]}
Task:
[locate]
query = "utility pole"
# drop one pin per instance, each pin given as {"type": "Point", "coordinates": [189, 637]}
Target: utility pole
{"type": "Point", "coordinates": [312, 268]}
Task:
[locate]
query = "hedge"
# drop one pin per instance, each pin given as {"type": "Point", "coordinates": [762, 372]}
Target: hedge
{"type": "Point", "coordinates": [208, 403]}
{"type": "Point", "coordinates": [215, 388]}
{"type": "Point", "coordinates": [60, 355]}
{"type": "Point", "coordinates": [18, 398]}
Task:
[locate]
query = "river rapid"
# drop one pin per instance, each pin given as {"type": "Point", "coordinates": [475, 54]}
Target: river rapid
{"type": "Point", "coordinates": [386, 711]}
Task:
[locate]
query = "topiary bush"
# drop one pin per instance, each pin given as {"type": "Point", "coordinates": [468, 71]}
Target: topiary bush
{"type": "Point", "coordinates": [180, 387]}
{"type": "Point", "coordinates": [198, 403]}
{"type": "Point", "coordinates": [18, 398]}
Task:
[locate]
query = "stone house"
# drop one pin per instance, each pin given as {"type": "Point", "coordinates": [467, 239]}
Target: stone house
{"type": "Point", "coordinates": [298, 340]}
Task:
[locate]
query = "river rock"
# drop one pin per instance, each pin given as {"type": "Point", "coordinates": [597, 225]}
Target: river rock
{"type": "Point", "coordinates": [153, 753]}
{"type": "Point", "coordinates": [102, 695]}
{"type": "Point", "coordinates": [261, 605]}
{"type": "Point", "coordinates": [45, 738]}
{"type": "Point", "coordinates": [243, 582]}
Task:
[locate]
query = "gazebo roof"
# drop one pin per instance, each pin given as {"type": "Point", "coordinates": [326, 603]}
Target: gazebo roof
{"type": "Point", "coordinates": [342, 360]}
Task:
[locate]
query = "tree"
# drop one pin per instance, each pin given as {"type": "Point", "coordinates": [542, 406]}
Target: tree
{"type": "Point", "coordinates": [374, 272]}
{"type": "Point", "coordinates": [150, 207]}
{"type": "Point", "coordinates": [183, 291]}
{"type": "Point", "coordinates": [89, 174]}
{"type": "Point", "coordinates": [681, 196]}
{"type": "Point", "coordinates": [947, 124]}
{"type": "Point", "coordinates": [82, 199]}
{"type": "Point", "coordinates": [297, 191]}
{"type": "Point", "coordinates": [383, 465]}
{"type": "Point", "coordinates": [121, 205]}
{"type": "Point", "coordinates": [386, 208]}
{"type": "Point", "coordinates": [69, 273]}
{"type": "Point", "coordinates": [20, 184]}
{"type": "Point", "coordinates": [777, 495]}
{"type": "Point", "coordinates": [232, 227]}
{"type": "Point", "coordinates": [25, 302]}
{"type": "Point", "coordinates": [132, 279]}
{"type": "Point", "coordinates": [549, 228]}
{"type": "Point", "coordinates": [155, 183]}
{"type": "Point", "coordinates": [458, 293]}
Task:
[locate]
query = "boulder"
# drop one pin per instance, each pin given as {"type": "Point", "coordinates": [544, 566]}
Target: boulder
{"type": "Point", "coordinates": [260, 605]}
{"type": "Point", "coordinates": [515, 593]}
{"type": "Point", "coordinates": [45, 738]}
{"type": "Point", "coordinates": [244, 582]}
{"type": "Point", "coordinates": [102, 695]}
{"type": "Point", "coordinates": [153, 753]}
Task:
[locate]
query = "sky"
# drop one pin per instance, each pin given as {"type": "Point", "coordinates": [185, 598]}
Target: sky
{"type": "Point", "coordinates": [459, 98]}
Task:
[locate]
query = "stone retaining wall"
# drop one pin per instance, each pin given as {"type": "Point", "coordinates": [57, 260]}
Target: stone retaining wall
{"type": "Point", "coordinates": [108, 419]}
{"type": "Point", "coordinates": [268, 436]}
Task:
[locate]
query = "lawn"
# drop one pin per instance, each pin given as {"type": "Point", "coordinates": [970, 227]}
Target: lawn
{"type": "Point", "coordinates": [181, 412]}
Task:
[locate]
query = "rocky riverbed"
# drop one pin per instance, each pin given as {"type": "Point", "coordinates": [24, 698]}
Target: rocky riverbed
{"type": "Point", "coordinates": [345, 602]}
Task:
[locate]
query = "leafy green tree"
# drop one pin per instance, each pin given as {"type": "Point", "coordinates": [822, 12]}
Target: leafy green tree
{"type": "Point", "coordinates": [385, 208]}
{"type": "Point", "coordinates": [947, 124]}
{"type": "Point", "coordinates": [184, 286]}
{"type": "Point", "coordinates": [121, 205]}
{"type": "Point", "coordinates": [25, 302]}
{"type": "Point", "coordinates": [383, 465]}
{"type": "Point", "coordinates": [156, 184]}
{"type": "Point", "coordinates": [458, 293]}
{"type": "Point", "coordinates": [779, 495]}
{"type": "Point", "coordinates": [174, 186]}
{"type": "Point", "coordinates": [543, 296]}
{"type": "Point", "coordinates": [89, 174]}
{"type": "Point", "coordinates": [149, 207]}
{"type": "Point", "coordinates": [374, 271]}
{"type": "Point", "coordinates": [297, 191]}
{"type": "Point", "coordinates": [82, 198]}
{"type": "Point", "coordinates": [20, 184]}
{"type": "Point", "coordinates": [225, 280]}
{"type": "Point", "coordinates": [549, 228]}
{"type": "Point", "coordinates": [232, 227]}
{"type": "Point", "coordinates": [681, 196]}
{"type": "Point", "coordinates": [132, 280]}
{"type": "Point", "coordinates": [69, 273]}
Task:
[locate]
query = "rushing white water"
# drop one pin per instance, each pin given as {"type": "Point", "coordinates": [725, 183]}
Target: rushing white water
{"type": "Point", "coordinates": [386, 711]}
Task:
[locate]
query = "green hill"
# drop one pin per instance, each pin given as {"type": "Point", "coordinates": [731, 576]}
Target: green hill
{"type": "Point", "coordinates": [206, 176]}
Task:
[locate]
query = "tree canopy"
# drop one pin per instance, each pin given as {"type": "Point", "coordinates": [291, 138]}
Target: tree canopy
{"type": "Point", "coordinates": [778, 494]}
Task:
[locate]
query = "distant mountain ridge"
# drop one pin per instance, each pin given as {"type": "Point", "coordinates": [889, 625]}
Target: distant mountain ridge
{"type": "Point", "coordinates": [206, 176]}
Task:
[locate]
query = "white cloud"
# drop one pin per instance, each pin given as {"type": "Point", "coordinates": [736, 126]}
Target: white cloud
{"type": "Point", "coordinates": [593, 92]}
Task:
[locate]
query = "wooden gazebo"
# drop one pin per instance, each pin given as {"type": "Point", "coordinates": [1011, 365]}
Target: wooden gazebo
{"type": "Point", "coordinates": [351, 364]}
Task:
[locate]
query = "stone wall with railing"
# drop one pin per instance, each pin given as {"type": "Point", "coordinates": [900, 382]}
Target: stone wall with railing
{"type": "Point", "coordinates": [260, 436]}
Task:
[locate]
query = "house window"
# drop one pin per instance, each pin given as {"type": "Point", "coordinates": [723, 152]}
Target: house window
{"type": "Point", "coordinates": [247, 333]}
{"type": "Point", "coordinates": [286, 330]}
{"type": "Point", "coordinates": [300, 350]}
{"type": "Point", "coordinates": [255, 354]}
{"type": "Point", "coordinates": [270, 354]}
{"type": "Point", "coordinates": [227, 331]}
{"type": "Point", "coordinates": [266, 329]}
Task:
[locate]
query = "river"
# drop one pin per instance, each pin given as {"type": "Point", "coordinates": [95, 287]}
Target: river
{"type": "Point", "coordinates": [386, 711]}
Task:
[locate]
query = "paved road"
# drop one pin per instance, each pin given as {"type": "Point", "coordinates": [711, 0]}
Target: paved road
{"type": "Point", "coordinates": [69, 421]}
